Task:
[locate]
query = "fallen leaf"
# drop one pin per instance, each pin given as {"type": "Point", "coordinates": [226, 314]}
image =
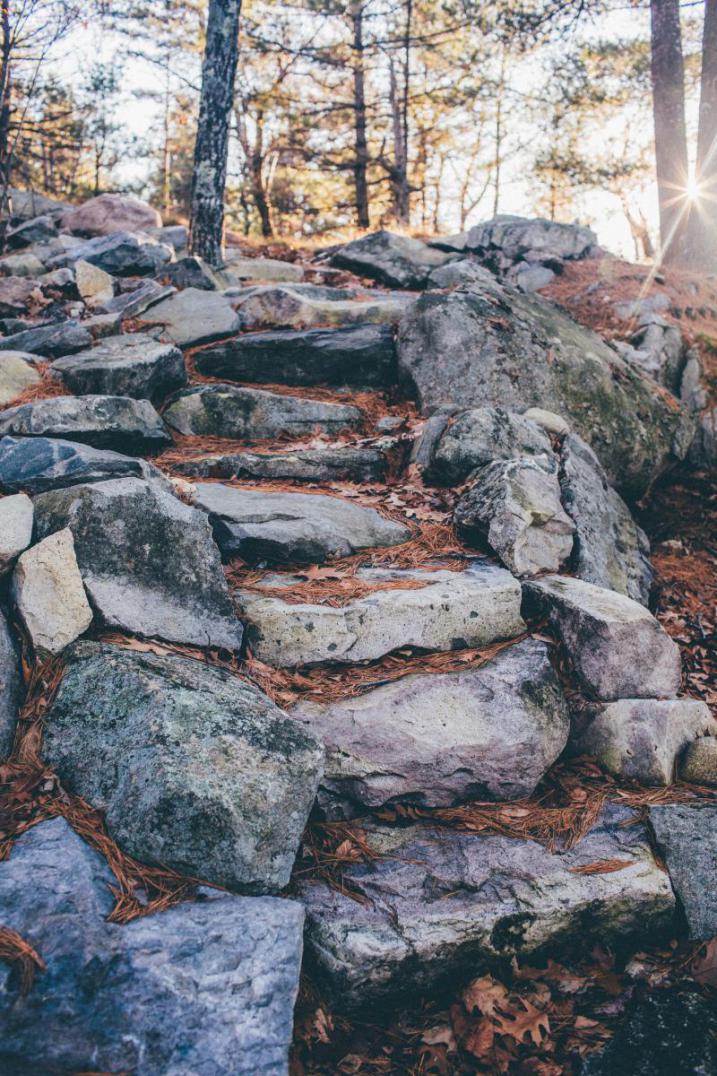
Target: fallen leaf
{"type": "Point", "coordinates": [524, 1020]}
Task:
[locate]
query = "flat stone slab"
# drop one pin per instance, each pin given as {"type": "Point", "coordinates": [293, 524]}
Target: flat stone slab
{"type": "Point", "coordinates": [16, 375]}
{"type": "Point", "coordinates": [216, 781]}
{"type": "Point", "coordinates": [362, 355]}
{"type": "Point", "coordinates": [262, 268]}
{"type": "Point", "coordinates": [448, 610]}
{"type": "Point", "coordinates": [480, 436]}
{"type": "Point", "coordinates": [687, 838]}
{"type": "Point", "coordinates": [254, 414]}
{"type": "Point", "coordinates": [206, 986]}
{"type": "Point", "coordinates": [643, 739]}
{"type": "Point", "coordinates": [395, 260]}
{"type": "Point", "coordinates": [114, 422]}
{"type": "Point", "coordinates": [437, 739]}
{"type": "Point", "coordinates": [282, 308]}
{"type": "Point", "coordinates": [330, 464]}
{"type": "Point", "coordinates": [441, 902]}
{"type": "Point", "coordinates": [148, 561]}
{"type": "Point", "coordinates": [38, 464]}
{"type": "Point", "coordinates": [134, 365]}
{"type": "Point", "coordinates": [617, 648]}
{"type": "Point", "coordinates": [16, 523]}
{"type": "Point", "coordinates": [50, 341]}
{"type": "Point", "coordinates": [11, 686]}
{"type": "Point", "coordinates": [195, 316]}
{"type": "Point", "coordinates": [292, 527]}
{"type": "Point", "coordinates": [49, 595]}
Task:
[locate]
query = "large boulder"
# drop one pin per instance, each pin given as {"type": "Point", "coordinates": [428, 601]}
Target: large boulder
{"type": "Point", "coordinates": [38, 464]}
{"type": "Point", "coordinates": [134, 365]}
{"type": "Point", "coordinates": [253, 414]}
{"type": "Point", "coordinates": [434, 904]}
{"type": "Point", "coordinates": [396, 260]}
{"type": "Point", "coordinates": [687, 838]}
{"type": "Point", "coordinates": [339, 463]}
{"type": "Point", "coordinates": [282, 308]}
{"type": "Point", "coordinates": [109, 213]}
{"type": "Point", "coordinates": [17, 373]}
{"type": "Point", "coordinates": [49, 595]}
{"type": "Point", "coordinates": [194, 316]}
{"type": "Point", "coordinates": [491, 346]}
{"type": "Point", "coordinates": [10, 686]}
{"type": "Point", "coordinates": [116, 422]}
{"type": "Point", "coordinates": [512, 239]}
{"type": "Point", "coordinates": [361, 355]}
{"type": "Point", "coordinates": [435, 739]}
{"type": "Point", "coordinates": [207, 986]}
{"type": "Point", "coordinates": [215, 782]}
{"type": "Point", "coordinates": [148, 560]}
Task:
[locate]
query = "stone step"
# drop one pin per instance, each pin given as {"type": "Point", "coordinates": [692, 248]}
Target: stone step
{"type": "Point", "coordinates": [446, 611]}
{"type": "Point", "coordinates": [133, 364]}
{"type": "Point", "coordinates": [194, 316]}
{"type": "Point", "coordinates": [282, 308]}
{"type": "Point", "coordinates": [114, 422]}
{"type": "Point", "coordinates": [38, 464]}
{"type": "Point", "coordinates": [335, 463]}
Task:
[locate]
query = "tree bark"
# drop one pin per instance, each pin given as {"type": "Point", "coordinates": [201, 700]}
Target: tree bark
{"type": "Point", "coordinates": [668, 104]}
{"type": "Point", "coordinates": [702, 246]}
{"type": "Point", "coordinates": [5, 89]}
{"type": "Point", "coordinates": [361, 142]}
{"type": "Point", "coordinates": [206, 223]}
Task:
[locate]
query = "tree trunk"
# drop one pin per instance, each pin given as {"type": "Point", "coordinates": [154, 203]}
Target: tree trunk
{"type": "Point", "coordinates": [206, 223]}
{"type": "Point", "coordinates": [5, 53]}
{"type": "Point", "coordinates": [702, 245]}
{"type": "Point", "coordinates": [361, 147]}
{"type": "Point", "coordinates": [668, 104]}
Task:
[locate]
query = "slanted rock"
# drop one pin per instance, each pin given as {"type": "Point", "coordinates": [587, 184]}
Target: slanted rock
{"type": "Point", "coordinates": [362, 355]}
{"type": "Point", "coordinates": [119, 254]}
{"type": "Point", "coordinates": [446, 611]}
{"type": "Point", "coordinates": [263, 268]}
{"type": "Point", "coordinates": [304, 528]}
{"type": "Point", "coordinates": [51, 341]}
{"type": "Point", "coordinates": [16, 375]}
{"type": "Point", "coordinates": [438, 738]}
{"type": "Point", "coordinates": [16, 521]}
{"type": "Point", "coordinates": [395, 260]}
{"type": "Point", "coordinates": [134, 365]}
{"type": "Point", "coordinates": [477, 437]}
{"type": "Point", "coordinates": [618, 649]}
{"type": "Point", "coordinates": [36, 230]}
{"type": "Point", "coordinates": [340, 463]}
{"type": "Point", "coordinates": [39, 464]}
{"type": "Point", "coordinates": [194, 316]}
{"type": "Point", "coordinates": [515, 505]}
{"type": "Point", "coordinates": [610, 549]}
{"type": "Point", "coordinates": [49, 595]}
{"type": "Point", "coordinates": [492, 346]}
{"type": "Point", "coordinates": [193, 272]}
{"type": "Point", "coordinates": [658, 348]}
{"type": "Point", "coordinates": [687, 838]}
{"type": "Point", "coordinates": [11, 688]}
{"type": "Point", "coordinates": [116, 422]}
{"type": "Point", "coordinates": [110, 213]}
{"type": "Point", "coordinates": [130, 304]}
{"type": "Point", "coordinates": [148, 560]}
{"type": "Point", "coordinates": [216, 781]}
{"type": "Point", "coordinates": [208, 985]}
{"type": "Point", "coordinates": [230, 411]}
{"type": "Point", "coordinates": [642, 739]}
{"type": "Point", "coordinates": [439, 902]}
{"type": "Point", "coordinates": [15, 292]}
{"type": "Point", "coordinates": [95, 286]}
{"type": "Point", "coordinates": [282, 308]}
{"type": "Point", "coordinates": [699, 762]}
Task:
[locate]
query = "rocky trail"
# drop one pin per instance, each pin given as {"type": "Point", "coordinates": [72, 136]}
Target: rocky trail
{"type": "Point", "coordinates": [349, 722]}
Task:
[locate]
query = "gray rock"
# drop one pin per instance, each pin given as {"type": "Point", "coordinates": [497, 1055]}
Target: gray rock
{"type": "Point", "coordinates": [395, 260]}
{"type": "Point", "coordinates": [642, 739]}
{"type": "Point", "coordinates": [301, 527]}
{"type": "Point", "coordinates": [643, 307]}
{"type": "Point", "coordinates": [442, 902]}
{"type": "Point", "coordinates": [110, 213]}
{"type": "Point", "coordinates": [447, 610]}
{"type": "Point", "coordinates": [704, 449]}
{"type": "Point", "coordinates": [618, 649]}
{"type": "Point", "coordinates": [50, 341]}
{"type": "Point", "coordinates": [192, 272]}
{"type": "Point", "coordinates": [456, 273]}
{"type": "Point", "coordinates": [39, 464]}
{"type": "Point", "coordinates": [28, 204]}
{"type": "Point", "coordinates": [480, 436]}
{"type": "Point", "coordinates": [130, 304]}
{"type": "Point", "coordinates": [262, 268]}
{"type": "Point", "coordinates": [194, 316]}
{"type": "Point", "coordinates": [547, 420]}
{"type": "Point", "coordinates": [699, 762]}
{"type": "Point", "coordinates": [361, 355]}
{"type": "Point", "coordinates": [16, 522]}
{"type": "Point", "coordinates": [121, 254]}
{"type": "Point", "coordinates": [49, 595]}
{"type": "Point", "coordinates": [115, 422]}
{"type": "Point", "coordinates": [692, 390]}
{"type": "Point", "coordinates": [530, 278]}
{"type": "Point", "coordinates": [207, 986]}
{"type": "Point", "coordinates": [174, 235]}
{"type": "Point", "coordinates": [610, 549]}
{"type": "Point", "coordinates": [94, 285]}
{"type": "Point", "coordinates": [283, 308]}
{"type": "Point", "coordinates": [518, 238]}
{"type": "Point", "coordinates": [309, 291]}
{"type": "Point", "coordinates": [16, 375]}
{"type": "Point", "coordinates": [435, 739]}
{"type": "Point", "coordinates": [230, 411]}
{"type": "Point", "coordinates": [216, 781]}
{"type": "Point", "coordinates": [148, 560]}
{"type": "Point", "coordinates": [15, 292]}
{"type": "Point", "coordinates": [25, 264]}
{"type": "Point", "coordinates": [687, 838]}
{"type": "Point", "coordinates": [331, 464]}
{"type": "Point", "coordinates": [11, 691]}
{"type": "Point", "coordinates": [515, 505]}
{"type": "Point", "coordinates": [132, 365]}
{"type": "Point", "coordinates": [492, 346]}
{"type": "Point", "coordinates": [659, 349]}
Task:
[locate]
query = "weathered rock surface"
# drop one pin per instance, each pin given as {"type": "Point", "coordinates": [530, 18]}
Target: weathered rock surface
{"type": "Point", "coordinates": [95, 286]}
{"type": "Point", "coordinates": [508, 239]}
{"type": "Point", "coordinates": [207, 986]}
{"type": "Point", "coordinates": [119, 254]}
{"type": "Point", "coordinates": [49, 595]}
{"type": "Point", "coordinates": [262, 268]}
{"type": "Point", "coordinates": [36, 230]}
{"type": "Point", "coordinates": [193, 272]}
{"type": "Point", "coordinates": [642, 739]}
{"type": "Point", "coordinates": [687, 838]}
{"type": "Point", "coordinates": [216, 781]}
{"type": "Point", "coordinates": [515, 505]}
{"type": "Point", "coordinates": [10, 686]}
{"type": "Point", "coordinates": [116, 422]}
{"type": "Point", "coordinates": [130, 304]}
{"type": "Point", "coordinates": [491, 346]}
{"type": "Point", "coordinates": [395, 260]}
{"type": "Point", "coordinates": [282, 308]}
{"type": "Point", "coordinates": [16, 375]}
{"type": "Point", "coordinates": [440, 902]}
{"type": "Point", "coordinates": [230, 411]}
{"type": "Point", "coordinates": [294, 527]}
{"type": "Point", "coordinates": [109, 213]}
{"type": "Point", "coordinates": [16, 522]}
{"type": "Point", "coordinates": [446, 611]}
{"type": "Point", "coordinates": [148, 560]}
{"type": "Point", "coordinates": [453, 274]}
{"type": "Point", "coordinates": [658, 348]}
{"type": "Point", "coordinates": [15, 291]}
{"type": "Point", "coordinates": [610, 549]}
{"type": "Point", "coordinates": [51, 341]}
{"type": "Point", "coordinates": [699, 762]}
{"type": "Point", "coordinates": [361, 355]}
{"type": "Point", "coordinates": [618, 649]}
{"type": "Point", "coordinates": [547, 420]}
{"type": "Point", "coordinates": [340, 463]}
{"type": "Point", "coordinates": [131, 365]}
{"type": "Point", "coordinates": [439, 738]}
{"type": "Point", "coordinates": [475, 438]}
{"type": "Point", "coordinates": [38, 464]}
{"type": "Point", "coordinates": [195, 316]}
